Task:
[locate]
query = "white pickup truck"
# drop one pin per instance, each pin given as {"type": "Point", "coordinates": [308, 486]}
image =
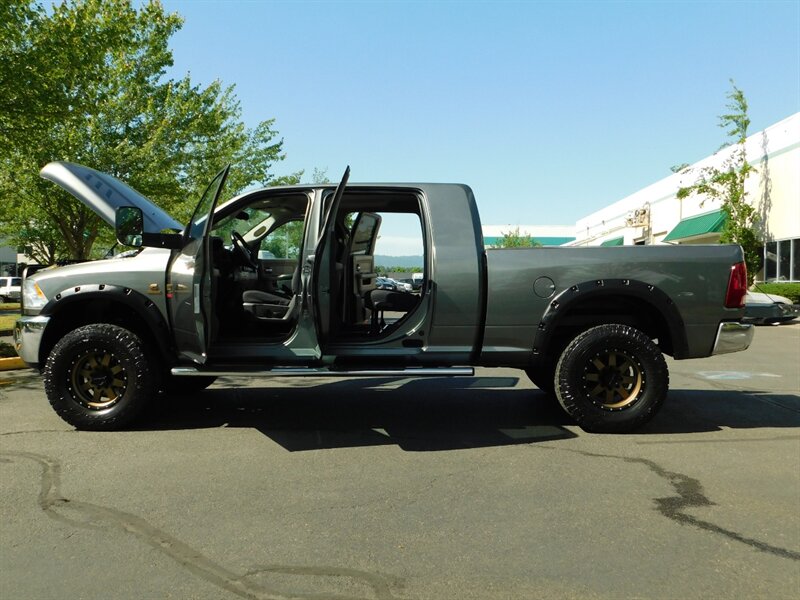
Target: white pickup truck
{"type": "Point", "coordinates": [10, 289]}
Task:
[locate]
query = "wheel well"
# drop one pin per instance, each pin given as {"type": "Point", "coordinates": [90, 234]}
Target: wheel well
{"type": "Point", "coordinates": [98, 310]}
{"type": "Point", "coordinates": [585, 313]}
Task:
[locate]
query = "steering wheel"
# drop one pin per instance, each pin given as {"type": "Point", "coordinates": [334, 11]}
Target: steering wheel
{"type": "Point", "coordinates": [244, 250]}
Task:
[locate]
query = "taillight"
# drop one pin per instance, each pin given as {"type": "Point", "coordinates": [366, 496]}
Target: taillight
{"type": "Point", "coordinates": [737, 286]}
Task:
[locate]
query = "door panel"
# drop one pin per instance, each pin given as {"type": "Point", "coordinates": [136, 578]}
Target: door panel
{"type": "Point", "coordinates": [189, 280]}
{"type": "Point", "coordinates": [326, 272]}
{"type": "Point", "coordinates": [277, 273]}
{"type": "Point", "coordinates": [361, 282]}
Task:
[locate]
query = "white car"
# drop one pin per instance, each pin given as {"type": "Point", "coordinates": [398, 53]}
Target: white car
{"type": "Point", "coordinates": [10, 289]}
{"type": "Point", "coordinates": [403, 286]}
{"type": "Point", "coordinates": [769, 309]}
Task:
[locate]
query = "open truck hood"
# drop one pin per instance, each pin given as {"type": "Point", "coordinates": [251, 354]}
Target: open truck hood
{"type": "Point", "coordinates": [104, 194]}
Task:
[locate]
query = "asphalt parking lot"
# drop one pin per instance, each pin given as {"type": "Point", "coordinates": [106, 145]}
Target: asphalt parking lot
{"type": "Point", "coordinates": [447, 488]}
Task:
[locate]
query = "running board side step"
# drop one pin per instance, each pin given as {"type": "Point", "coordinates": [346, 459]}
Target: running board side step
{"type": "Point", "coordinates": [325, 372]}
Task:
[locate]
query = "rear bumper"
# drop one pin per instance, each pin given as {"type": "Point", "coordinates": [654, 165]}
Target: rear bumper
{"type": "Point", "coordinates": [733, 337]}
{"type": "Point", "coordinates": [28, 333]}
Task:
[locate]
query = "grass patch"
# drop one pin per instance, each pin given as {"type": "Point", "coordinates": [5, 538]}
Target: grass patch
{"type": "Point", "coordinates": [7, 321]}
{"type": "Point", "coordinates": [9, 306]}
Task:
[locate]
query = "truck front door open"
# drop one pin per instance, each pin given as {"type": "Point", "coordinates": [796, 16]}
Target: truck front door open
{"type": "Point", "coordinates": [189, 281]}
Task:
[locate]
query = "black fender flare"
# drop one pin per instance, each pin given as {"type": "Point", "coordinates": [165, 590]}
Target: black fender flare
{"type": "Point", "coordinates": [140, 304]}
{"type": "Point", "coordinates": [647, 293]}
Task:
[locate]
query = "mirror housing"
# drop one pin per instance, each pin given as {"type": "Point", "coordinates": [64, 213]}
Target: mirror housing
{"type": "Point", "coordinates": [129, 226]}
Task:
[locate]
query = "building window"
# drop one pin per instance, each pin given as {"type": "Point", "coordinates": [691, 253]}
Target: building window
{"type": "Point", "coordinates": [796, 259]}
{"type": "Point", "coordinates": [782, 260]}
{"type": "Point", "coordinates": [770, 261]}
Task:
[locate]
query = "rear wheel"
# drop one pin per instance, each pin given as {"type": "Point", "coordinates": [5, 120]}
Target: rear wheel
{"type": "Point", "coordinates": [98, 377]}
{"type": "Point", "coordinates": [611, 378]}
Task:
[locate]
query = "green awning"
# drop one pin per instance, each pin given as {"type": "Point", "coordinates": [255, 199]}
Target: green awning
{"type": "Point", "coordinates": [712, 222]}
{"type": "Point", "coordinates": [617, 241]}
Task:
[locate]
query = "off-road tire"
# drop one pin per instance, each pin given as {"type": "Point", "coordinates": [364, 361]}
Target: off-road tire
{"type": "Point", "coordinates": [612, 379]}
{"type": "Point", "coordinates": [99, 377]}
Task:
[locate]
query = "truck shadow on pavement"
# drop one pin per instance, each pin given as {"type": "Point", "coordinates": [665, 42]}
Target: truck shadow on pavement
{"type": "Point", "coordinates": [416, 415]}
{"type": "Point", "coordinates": [440, 413]}
{"type": "Point", "coordinates": [697, 411]}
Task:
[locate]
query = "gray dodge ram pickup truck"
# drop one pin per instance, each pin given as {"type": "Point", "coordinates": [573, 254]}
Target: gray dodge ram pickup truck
{"type": "Point", "coordinates": [193, 302]}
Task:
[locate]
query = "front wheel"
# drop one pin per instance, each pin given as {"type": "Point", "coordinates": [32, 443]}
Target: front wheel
{"type": "Point", "coordinates": [98, 377]}
{"type": "Point", "coordinates": [611, 378]}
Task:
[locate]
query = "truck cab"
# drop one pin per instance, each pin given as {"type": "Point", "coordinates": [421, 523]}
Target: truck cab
{"type": "Point", "coordinates": [276, 281]}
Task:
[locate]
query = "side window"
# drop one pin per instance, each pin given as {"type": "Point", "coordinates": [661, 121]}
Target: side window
{"type": "Point", "coordinates": [400, 241]}
{"type": "Point", "coordinates": [285, 241]}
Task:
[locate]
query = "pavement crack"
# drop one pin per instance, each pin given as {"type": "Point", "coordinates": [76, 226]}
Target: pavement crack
{"type": "Point", "coordinates": [690, 494]}
{"type": "Point", "coordinates": [381, 584]}
{"type": "Point", "coordinates": [93, 516]}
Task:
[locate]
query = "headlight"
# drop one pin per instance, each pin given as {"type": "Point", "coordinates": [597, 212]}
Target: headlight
{"type": "Point", "coordinates": [33, 299]}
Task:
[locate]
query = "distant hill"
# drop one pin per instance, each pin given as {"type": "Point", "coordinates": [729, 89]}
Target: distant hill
{"type": "Point", "coordinates": [399, 261]}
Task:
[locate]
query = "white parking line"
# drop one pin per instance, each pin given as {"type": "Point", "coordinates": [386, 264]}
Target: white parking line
{"type": "Point", "coordinates": [732, 375]}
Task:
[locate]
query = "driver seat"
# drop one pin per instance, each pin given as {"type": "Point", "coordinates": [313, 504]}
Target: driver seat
{"type": "Point", "coordinates": [274, 305]}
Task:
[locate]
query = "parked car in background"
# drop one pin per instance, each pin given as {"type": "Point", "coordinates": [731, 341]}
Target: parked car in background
{"type": "Point", "coordinates": [10, 289]}
{"type": "Point", "coordinates": [769, 309]}
{"type": "Point", "coordinates": [416, 285]}
{"type": "Point", "coordinates": [384, 283]}
{"type": "Point", "coordinates": [403, 285]}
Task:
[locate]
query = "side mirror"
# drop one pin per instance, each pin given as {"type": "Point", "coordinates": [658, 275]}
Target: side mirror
{"type": "Point", "coordinates": [129, 225]}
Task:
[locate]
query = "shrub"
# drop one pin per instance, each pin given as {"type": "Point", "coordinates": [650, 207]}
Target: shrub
{"type": "Point", "coordinates": [790, 290]}
{"type": "Point", "coordinates": [7, 350]}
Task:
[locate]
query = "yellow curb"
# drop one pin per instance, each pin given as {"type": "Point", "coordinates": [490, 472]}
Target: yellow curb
{"type": "Point", "coordinates": [8, 364]}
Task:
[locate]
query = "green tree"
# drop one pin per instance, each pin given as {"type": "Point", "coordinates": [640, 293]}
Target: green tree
{"type": "Point", "coordinates": [101, 98]}
{"type": "Point", "coordinates": [727, 184]}
{"type": "Point", "coordinates": [320, 176]}
{"type": "Point", "coordinates": [286, 241]}
{"type": "Point", "coordinates": [515, 239]}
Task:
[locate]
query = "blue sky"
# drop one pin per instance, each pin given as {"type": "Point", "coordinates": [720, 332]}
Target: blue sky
{"type": "Point", "coordinates": [548, 110]}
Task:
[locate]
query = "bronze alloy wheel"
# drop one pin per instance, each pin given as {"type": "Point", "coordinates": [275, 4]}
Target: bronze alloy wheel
{"type": "Point", "coordinates": [613, 379]}
{"type": "Point", "coordinates": [100, 376]}
{"type": "Point", "coordinates": [97, 379]}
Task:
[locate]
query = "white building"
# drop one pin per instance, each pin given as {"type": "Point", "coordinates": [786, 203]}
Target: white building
{"type": "Point", "coordinates": [654, 215]}
{"type": "Point", "coordinates": [546, 235]}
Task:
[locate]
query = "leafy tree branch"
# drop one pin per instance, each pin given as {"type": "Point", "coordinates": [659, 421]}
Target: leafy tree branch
{"type": "Point", "coordinates": [85, 82]}
{"type": "Point", "coordinates": [727, 184]}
